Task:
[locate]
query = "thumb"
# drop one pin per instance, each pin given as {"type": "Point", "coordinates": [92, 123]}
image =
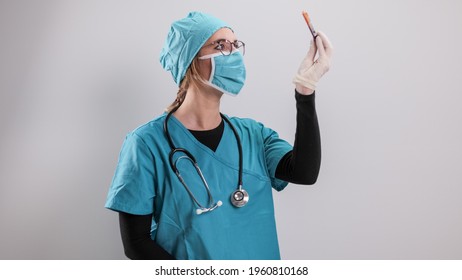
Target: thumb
{"type": "Point", "coordinates": [311, 52]}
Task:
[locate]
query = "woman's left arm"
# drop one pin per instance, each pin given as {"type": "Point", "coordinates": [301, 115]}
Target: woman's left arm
{"type": "Point", "coordinates": [302, 164]}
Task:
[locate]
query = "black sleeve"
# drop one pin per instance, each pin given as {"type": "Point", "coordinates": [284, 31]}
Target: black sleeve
{"type": "Point", "coordinates": [138, 245]}
{"type": "Point", "coordinates": [301, 165]}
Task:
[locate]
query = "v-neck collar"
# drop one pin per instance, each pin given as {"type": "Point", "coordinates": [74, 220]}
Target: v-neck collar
{"type": "Point", "coordinates": [188, 133]}
{"type": "Point", "coordinates": [210, 138]}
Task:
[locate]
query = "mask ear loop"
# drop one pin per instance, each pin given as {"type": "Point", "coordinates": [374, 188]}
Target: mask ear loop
{"type": "Point", "coordinates": [212, 61]}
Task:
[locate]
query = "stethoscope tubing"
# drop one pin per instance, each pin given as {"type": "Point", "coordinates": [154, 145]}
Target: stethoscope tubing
{"type": "Point", "coordinates": [192, 159]}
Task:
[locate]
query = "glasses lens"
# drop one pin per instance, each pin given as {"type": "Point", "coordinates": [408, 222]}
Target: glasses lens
{"type": "Point", "coordinates": [239, 45]}
{"type": "Point", "coordinates": [225, 47]}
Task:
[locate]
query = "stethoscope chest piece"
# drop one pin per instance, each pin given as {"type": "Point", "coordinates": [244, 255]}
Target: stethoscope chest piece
{"type": "Point", "coordinates": [239, 197]}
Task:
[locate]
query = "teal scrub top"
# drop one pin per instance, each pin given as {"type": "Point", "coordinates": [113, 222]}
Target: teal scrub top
{"type": "Point", "coordinates": [145, 184]}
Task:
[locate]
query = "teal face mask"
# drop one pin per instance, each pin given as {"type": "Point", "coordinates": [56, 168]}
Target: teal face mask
{"type": "Point", "coordinates": [228, 72]}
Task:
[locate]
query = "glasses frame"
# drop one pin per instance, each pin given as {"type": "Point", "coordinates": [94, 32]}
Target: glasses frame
{"type": "Point", "coordinates": [237, 44]}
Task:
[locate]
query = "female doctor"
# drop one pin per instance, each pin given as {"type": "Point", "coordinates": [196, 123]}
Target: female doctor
{"type": "Point", "coordinates": [196, 184]}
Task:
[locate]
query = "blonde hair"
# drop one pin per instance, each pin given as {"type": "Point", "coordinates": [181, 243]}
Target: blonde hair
{"type": "Point", "coordinates": [191, 78]}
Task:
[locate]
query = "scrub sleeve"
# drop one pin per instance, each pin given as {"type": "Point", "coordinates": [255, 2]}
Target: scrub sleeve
{"type": "Point", "coordinates": [132, 188]}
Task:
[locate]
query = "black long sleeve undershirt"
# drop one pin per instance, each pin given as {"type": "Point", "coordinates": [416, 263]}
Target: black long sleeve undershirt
{"type": "Point", "coordinates": [136, 238]}
{"type": "Point", "coordinates": [300, 166]}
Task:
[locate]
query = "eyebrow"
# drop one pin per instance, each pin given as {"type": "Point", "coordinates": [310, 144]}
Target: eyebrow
{"type": "Point", "coordinates": [222, 39]}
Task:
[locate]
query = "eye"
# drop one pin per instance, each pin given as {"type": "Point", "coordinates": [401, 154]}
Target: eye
{"type": "Point", "coordinates": [220, 45]}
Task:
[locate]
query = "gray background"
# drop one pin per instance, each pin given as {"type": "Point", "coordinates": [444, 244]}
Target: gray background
{"type": "Point", "coordinates": [76, 76]}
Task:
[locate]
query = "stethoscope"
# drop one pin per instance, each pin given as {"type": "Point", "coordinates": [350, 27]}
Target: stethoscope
{"type": "Point", "coordinates": [238, 198]}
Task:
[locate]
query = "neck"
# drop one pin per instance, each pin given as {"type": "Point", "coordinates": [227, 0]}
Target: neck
{"type": "Point", "coordinates": [200, 109]}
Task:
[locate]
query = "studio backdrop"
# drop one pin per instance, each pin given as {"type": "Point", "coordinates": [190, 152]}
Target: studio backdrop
{"type": "Point", "coordinates": [77, 76]}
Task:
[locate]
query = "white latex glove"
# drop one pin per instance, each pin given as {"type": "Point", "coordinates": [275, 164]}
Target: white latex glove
{"type": "Point", "coordinates": [311, 70]}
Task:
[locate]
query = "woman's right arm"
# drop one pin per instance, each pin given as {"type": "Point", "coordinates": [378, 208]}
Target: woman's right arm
{"type": "Point", "coordinates": [136, 238]}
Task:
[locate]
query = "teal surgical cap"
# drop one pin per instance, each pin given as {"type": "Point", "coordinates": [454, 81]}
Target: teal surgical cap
{"type": "Point", "coordinates": [185, 39]}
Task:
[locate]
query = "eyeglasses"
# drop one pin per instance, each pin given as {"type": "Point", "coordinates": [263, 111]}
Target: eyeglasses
{"type": "Point", "coordinates": [226, 47]}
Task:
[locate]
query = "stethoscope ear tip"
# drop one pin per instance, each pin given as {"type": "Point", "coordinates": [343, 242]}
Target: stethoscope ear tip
{"type": "Point", "coordinates": [203, 210]}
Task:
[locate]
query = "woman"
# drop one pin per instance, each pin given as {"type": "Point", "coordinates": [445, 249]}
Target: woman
{"type": "Point", "coordinates": [169, 208]}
